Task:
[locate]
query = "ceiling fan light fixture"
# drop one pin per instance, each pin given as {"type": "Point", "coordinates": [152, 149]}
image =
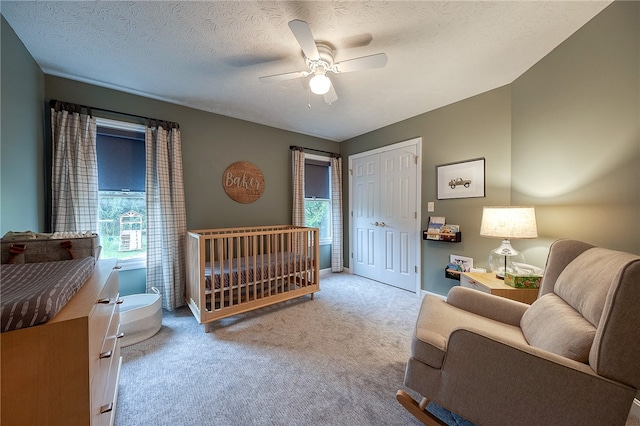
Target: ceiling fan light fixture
{"type": "Point", "coordinates": [320, 84]}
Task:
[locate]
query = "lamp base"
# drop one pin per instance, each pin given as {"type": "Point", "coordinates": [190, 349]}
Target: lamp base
{"type": "Point", "coordinates": [501, 259]}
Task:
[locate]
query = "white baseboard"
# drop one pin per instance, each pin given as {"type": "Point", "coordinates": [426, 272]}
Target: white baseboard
{"type": "Point", "coordinates": [425, 292]}
{"type": "Point", "coordinates": [635, 408]}
{"type": "Point", "coordinates": [327, 271]}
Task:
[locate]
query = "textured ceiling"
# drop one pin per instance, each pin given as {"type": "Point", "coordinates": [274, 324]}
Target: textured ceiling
{"type": "Point", "coordinates": [209, 55]}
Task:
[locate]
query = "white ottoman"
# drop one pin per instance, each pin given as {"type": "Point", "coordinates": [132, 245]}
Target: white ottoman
{"type": "Point", "coordinates": [140, 317]}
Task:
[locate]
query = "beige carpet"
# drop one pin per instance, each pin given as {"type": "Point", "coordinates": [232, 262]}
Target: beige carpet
{"type": "Point", "coordinates": [335, 360]}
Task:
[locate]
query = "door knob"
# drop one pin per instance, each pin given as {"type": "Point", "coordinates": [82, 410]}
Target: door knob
{"type": "Point", "coordinates": [383, 224]}
{"type": "Point", "coordinates": [375, 224]}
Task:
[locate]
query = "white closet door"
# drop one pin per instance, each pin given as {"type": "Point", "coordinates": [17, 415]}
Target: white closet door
{"type": "Point", "coordinates": [365, 216]}
{"type": "Point", "coordinates": [385, 219]}
{"type": "Point", "coordinates": [398, 218]}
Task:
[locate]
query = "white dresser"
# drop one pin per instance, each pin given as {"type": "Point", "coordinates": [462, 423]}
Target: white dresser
{"type": "Point", "coordinates": [66, 371]}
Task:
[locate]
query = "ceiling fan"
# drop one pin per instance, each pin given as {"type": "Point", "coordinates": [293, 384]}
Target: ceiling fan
{"type": "Point", "coordinates": [319, 58]}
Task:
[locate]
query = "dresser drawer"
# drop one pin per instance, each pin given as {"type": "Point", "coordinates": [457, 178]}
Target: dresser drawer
{"type": "Point", "coordinates": [104, 404]}
{"type": "Point", "coordinates": [107, 351]}
{"type": "Point", "coordinates": [471, 283]}
{"type": "Point", "coordinates": [103, 388]}
{"type": "Point", "coordinates": [103, 321]}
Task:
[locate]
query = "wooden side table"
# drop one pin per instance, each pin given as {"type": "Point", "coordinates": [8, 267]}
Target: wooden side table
{"type": "Point", "coordinates": [488, 283]}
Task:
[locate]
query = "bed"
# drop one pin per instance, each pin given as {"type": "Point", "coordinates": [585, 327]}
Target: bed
{"type": "Point", "coordinates": [236, 270]}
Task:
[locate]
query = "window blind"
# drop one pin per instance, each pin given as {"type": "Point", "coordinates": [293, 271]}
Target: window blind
{"type": "Point", "coordinates": [121, 160]}
{"type": "Point", "coordinates": [316, 179]}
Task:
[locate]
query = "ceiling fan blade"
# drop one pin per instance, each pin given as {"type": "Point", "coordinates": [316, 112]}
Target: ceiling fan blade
{"type": "Point", "coordinates": [378, 60]}
{"type": "Point", "coordinates": [331, 96]}
{"type": "Point", "coordinates": [284, 76]}
{"type": "Point", "coordinates": [302, 33]}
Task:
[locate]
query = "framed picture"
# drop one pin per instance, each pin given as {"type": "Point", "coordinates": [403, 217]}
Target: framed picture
{"type": "Point", "coordinates": [464, 179]}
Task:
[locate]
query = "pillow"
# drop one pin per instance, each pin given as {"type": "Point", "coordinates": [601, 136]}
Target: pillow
{"type": "Point", "coordinates": [553, 325]}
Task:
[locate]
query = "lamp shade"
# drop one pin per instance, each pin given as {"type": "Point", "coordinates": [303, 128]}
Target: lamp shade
{"type": "Point", "coordinates": [319, 84]}
{"type": "Point", "coordinates": [509, 222]}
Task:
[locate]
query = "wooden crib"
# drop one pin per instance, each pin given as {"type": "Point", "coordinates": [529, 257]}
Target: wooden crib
{"type": "Point", "coordinates": [236, 270]}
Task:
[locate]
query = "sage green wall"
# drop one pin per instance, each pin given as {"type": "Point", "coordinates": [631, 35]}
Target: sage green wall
{"type": "Point", "coordinates": [473, 128]}
{"type": "Point", "coordinates": [576, 136]}
{"type": "Point", "coordinates": [564, 137]}
{"type": "Point", "coordinates": [210, 143]}
{"type": "Point", "coordinates": [21, 147]}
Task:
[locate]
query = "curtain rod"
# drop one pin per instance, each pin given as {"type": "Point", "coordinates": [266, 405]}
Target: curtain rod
{"type": "Point", "coordinates": [53, 104]}
{"type": "Point", "coordinates": [333, 154]}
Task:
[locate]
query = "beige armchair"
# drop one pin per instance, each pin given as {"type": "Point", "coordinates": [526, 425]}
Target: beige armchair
{"type": "Point", "coordinates": [571, 358]}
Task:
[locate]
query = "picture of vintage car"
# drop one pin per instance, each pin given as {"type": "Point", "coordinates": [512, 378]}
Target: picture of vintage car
{"type": "Point", "coordinates": [459, 182]}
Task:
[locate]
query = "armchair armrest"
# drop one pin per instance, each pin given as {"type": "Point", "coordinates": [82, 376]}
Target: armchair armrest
{"type": "Point", "coordinates": [487, 305]}
{"type": "Point", "coordinates": [517, 383]}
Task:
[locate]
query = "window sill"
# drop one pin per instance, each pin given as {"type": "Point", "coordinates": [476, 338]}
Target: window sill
{"type": "Point", "coordinates": [134, 263]}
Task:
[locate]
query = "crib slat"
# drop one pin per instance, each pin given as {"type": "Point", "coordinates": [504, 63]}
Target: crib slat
{"type": "Point", "coordinates": [222, 259]}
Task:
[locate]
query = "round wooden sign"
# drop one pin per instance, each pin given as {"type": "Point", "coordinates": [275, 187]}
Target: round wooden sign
{"type": "Point", "coordinates": [243, 182]}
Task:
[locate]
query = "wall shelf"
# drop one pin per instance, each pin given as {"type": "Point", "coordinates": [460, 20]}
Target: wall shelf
{"type": "Point", "coordinates": [451, 274]}
{"type": "Point", "coordinates": [448, 237]}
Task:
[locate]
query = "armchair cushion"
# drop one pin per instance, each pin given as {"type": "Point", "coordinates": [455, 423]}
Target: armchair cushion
{"type": "Point", "coordinates": [438, 319]}
{"type": "Point", "coordinates": [487, 305]}
{"type": "Point", "coordinates": [585, 282]}
{"type": "Point", "coordinates": [553, 325]}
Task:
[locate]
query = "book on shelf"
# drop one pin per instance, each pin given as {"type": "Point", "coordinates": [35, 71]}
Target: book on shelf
{"type": "Point", "coordinates": [460, 263]}
{"type": "Point", "coordinates": [434, 227]}
{"type": "Point", "coordinates": [449, 229]}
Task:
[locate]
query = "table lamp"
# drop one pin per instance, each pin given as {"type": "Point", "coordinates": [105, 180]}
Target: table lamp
{"type": "Point", "coordinates": [507, 222]}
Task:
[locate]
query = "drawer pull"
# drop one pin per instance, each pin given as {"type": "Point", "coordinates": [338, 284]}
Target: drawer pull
{"type": "Point", "coordinates": [106, 354]}
{"type": "Point", "coordinates": [104, 301]}
{"type": "Point", "coordinates": [119, 301]}
{"type": "Point", "coordinates": [106, 408]}
{"type": "Point", "coordinates": [120, 336]}
{"type": "Point", "coordinates": [117, 267]}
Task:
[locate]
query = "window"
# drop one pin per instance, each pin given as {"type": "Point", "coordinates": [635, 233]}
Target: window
{"type": "Point", "coordinates": [121, 190]}
{"type": "Point", "coordinates": [317, 195]}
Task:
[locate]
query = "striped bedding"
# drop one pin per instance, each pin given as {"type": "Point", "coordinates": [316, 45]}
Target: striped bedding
{"type": "Point", "coordinates": [33, 293]}
{"type": "Point", "coordinates": [266, 267]}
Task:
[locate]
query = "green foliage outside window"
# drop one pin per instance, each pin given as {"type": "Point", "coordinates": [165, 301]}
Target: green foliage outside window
{"type": "Point", "coordinates": [318, 215]}
{"type": "Point", "coordinates": [112, 205]}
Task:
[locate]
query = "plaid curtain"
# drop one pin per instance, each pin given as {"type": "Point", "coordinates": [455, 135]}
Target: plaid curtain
{"type": "Point", "coordinates": [74, 180]}
{"type": "Point", "coordinates": [297, 215]}
{"type": "Point", "coordinates": [166, 214]}
{"type": "Point", "coordinates": [337, 261]}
